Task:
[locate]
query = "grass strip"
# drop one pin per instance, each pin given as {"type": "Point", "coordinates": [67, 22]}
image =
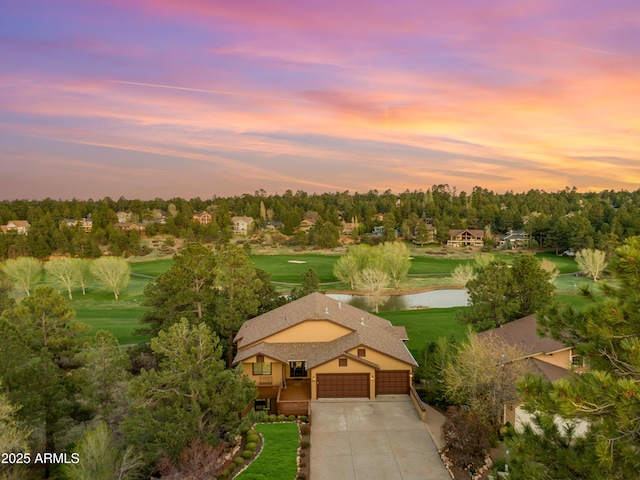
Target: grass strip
{"type": "Point", "coordinates": [277, 460]}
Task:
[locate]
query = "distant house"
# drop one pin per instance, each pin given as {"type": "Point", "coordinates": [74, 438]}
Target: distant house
{"type": "Point", "coordinates": [466, 238]}
{"type": "Point", "coordinates": [306, 225]}
{"type": "Point", "coordinates": [546, 356]}
{"type": "Point", "coordinates": [513, 239]}
{"type": "Point", "coordinates": [123, 217]}
{"type": "Point", "coordinates": [86, 224]}
{"type": "Point", "coordinates": [241, 225]}
{"type": "Point", "coordinates": [203, 218]}
{"type": "Point", "coordinates": [316, 347]}
{"type": "Point", "coordinates": [276, 225]}
{"type": "Point", "coordinates": [350, 228]}
{"type": "Point", "coordinates": [424, 233]}
{"type": "Point", "coordinates": [20, 227]}
{"type": "Point", "coordinates": [131, 227]}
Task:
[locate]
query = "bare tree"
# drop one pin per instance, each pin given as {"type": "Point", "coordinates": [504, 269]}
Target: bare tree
{"type": "Point", "coordinates": [548, 266]}
{"type": "Point", "coordinates": [373, 282]}
{"type": "Point", "coordinates": [23, 272]}
{"type": "Point", "coordinates": [112, 273]}
{"type": "Point", "coordinates": [65, 273]}
{"type": "Point", "coordinates": [591, 262]}
{"type": "Point", "coordinates": [462, 274]}
{"type": "Point", "coordinates": [483, 374]}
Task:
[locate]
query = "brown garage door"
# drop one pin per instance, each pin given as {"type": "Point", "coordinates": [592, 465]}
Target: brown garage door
{"type": "Point", "coordinates": [392, 382]}
{"type": "Point", "coordinates": [343, 385]}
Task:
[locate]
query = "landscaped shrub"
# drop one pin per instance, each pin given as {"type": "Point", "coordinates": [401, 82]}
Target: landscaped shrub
{"type": "Point", "coordinates": [239, 461]}
{"type": "Point", "coordinates": [253, 438]}
{"type": "Point", "coordinates": [281, 417]}
{"type": "Point", "coordinates": [304, 445]}
{"type": "Point", "coordinates": [247, 454]}
{"type": "Point", "coordinates": [304, 418]}
{"type": "Point", "coordinates": [244, 430]}
{"type": "Point", "coordinates": [272, 418]}
{"type": "Point", "coordinates": [251, 446]}
{"type": "Point", "coordinates": [305, 429]}
{"type": "Point", "coordinates": [291, 418]}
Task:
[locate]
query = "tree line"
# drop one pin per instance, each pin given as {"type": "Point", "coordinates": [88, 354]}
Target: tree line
{"type": "Point", "coordinates": [553, 220]}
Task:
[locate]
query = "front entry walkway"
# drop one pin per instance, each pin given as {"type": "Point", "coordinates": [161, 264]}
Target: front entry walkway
{"type": "Point", "coordinates": [381, 439]}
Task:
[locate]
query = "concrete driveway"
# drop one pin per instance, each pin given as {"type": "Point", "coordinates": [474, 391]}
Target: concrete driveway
{"type": "Point", "coordinates": [382, 439]}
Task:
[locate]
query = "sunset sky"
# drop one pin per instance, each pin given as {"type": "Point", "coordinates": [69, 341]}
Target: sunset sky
{"type": "Point", "coordinates": [165, 98]}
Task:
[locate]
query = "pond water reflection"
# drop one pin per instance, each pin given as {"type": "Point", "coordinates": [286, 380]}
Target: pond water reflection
{"type": "Point", "coordinates": [433, 299]}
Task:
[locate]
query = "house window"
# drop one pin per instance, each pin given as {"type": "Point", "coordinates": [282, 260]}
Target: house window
{"type": "Point", "coordinates": [262, 368]}
{"type": "Point", "coordinates": [298, 369]}
{"type": "Point", "coordinates": [362, 352]}
{"type": "Point", "coordinates": [342, 362]}
{"type": "Point", "coordinates": [577, 361]}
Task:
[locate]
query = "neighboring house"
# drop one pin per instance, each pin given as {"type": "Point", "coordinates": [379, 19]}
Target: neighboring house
{"type": "Point", "coordinates": [20, 227]}
{"type": "Point", "coordinates": [241, 225]}
{"type": "Point", "coordinates": [86, 224]}
{"type": "Point", "coordinates": [204, 218]}
{"type": "Point", "coordinates": [123, 217]}
{"type": "Point", "coordinates": [349, 228]}
{"type": "Point", "coordinates": [377, 231]}
{"type": "Point", "coordinates": [316, 347]}
{"type": "Point", "coordinates": [513, 239]}
{"type": "Point", "coordinates": [273, 225]}
{"type": "Point", "coordinates": [131, 227]}
{"type": "Point", "coordinates": [424, 233]}
{"type": "Point", "coordinates": [550, 358]}
{"type": "Point", "coordinates": [306, 225]}
{"type": "Point", "coordinates": [466, 238]}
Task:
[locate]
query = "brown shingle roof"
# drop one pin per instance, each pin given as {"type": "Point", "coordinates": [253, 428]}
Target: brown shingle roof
{"type": "Point", "coordinates": [522, 332]}
{"type": "Point", "coordinates": [366, 330]}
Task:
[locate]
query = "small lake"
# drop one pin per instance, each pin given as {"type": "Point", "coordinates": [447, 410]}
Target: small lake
{"type": "Point", "coordinates": [434, 299]}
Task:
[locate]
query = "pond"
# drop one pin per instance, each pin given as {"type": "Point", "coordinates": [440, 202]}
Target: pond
{"type": "Point", "coordinates": [433, 299]}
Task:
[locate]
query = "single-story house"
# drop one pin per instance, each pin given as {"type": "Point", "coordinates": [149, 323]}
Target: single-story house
{"type": "Point", "coordinates": [317, 347]}
{"type": "Point", "coordinates": [466, 238]}
{"type": "Point", "coordinates": [241, 224]}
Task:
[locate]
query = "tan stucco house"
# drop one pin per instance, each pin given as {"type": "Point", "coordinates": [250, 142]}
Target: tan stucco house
{"type": "Point", "coordinates": [316, 347]}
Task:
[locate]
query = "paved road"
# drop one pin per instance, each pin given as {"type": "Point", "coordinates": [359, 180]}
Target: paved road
{"type": "Point", "coordinates": [382, 439]}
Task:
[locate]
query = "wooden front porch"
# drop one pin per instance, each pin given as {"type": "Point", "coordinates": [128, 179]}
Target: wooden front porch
{"type": "Point", "coordinates": [295, 399]}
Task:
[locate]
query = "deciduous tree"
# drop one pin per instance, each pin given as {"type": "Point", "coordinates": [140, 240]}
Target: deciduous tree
{"type": "Point", "coordinates": [483, 373]}
{"type": "Point", "coordinates": [65, 273]}
{"type": "Point", "coordinates": [591, 261]}
{"type": "Point", "coordinates": [112, 272]}
{"type": "Point", "coordinates": [23, 272]}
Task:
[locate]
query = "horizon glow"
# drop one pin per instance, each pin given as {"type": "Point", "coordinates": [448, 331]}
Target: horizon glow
{"type": "Point", "coordinates": [160, 98]}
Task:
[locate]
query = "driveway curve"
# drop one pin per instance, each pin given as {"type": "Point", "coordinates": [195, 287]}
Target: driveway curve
{"type": "Point", "coordinates": [381, 439]}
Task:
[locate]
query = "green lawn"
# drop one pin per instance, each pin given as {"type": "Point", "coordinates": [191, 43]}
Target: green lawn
{"type": "Point", "coordinates": [434, 265]}
{"type": "Point", "coordinates": [564, 264]}
{"type": "Point", "coordinates": [427, 325]}
{"type": "Point", "coordinates": [153, 268]}
{"type": "Point", "coordinates": [283, 271]}
{"type": "Point", "coordinates": [278, 457]}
